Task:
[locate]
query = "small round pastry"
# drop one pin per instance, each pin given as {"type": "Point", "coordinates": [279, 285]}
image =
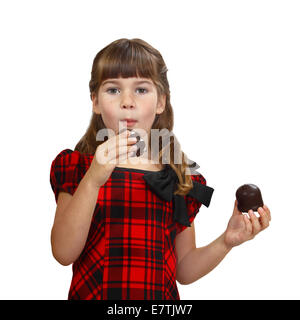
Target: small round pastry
{"type": "Point", "coordinates": [248, 197]}
{"type": "Point", "coordinates": [140, 142]}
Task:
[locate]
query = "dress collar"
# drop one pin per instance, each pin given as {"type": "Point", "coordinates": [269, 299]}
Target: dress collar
{"type": "Point", "coordinates": [163, 184]}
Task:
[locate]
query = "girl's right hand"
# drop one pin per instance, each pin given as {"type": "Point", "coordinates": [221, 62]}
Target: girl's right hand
{"type": "Point", "coordinates": [115, 150]}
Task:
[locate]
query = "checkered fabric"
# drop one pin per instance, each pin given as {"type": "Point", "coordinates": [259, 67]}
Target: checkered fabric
{"type": "Point", "coordinates": [130, 248]}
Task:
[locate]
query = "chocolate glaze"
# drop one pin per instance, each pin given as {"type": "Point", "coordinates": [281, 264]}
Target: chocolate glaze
{"type": "Point", "coordinates": [248, 197]}
{"type": "Point", "coordinates": [140, 142]}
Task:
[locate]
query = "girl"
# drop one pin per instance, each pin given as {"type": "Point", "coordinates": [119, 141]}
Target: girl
{"type": "Point", "coordinates": [128, 227]}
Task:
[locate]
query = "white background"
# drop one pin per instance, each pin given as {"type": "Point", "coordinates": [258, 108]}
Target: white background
{"type": "Point", "coordinates": [234, 77]}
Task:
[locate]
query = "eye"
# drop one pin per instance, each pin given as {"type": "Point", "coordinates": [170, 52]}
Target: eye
{"type": "Point", "coordinates": [142, 89]}
{"type": "Point", "coordinates": [109, 90]}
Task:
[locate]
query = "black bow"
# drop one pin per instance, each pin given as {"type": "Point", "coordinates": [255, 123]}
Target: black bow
{"type": "Point", "coordinates": [164, 182]}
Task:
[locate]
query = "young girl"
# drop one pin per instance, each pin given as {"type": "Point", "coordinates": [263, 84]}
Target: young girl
{"type": "Point", "coordinates": [127, 226]}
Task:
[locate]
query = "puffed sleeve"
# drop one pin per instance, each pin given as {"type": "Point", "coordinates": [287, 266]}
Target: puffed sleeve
{"type": "Point", "coordinates": [193, 204]}
{"type": "Point", "coordinates": [65, 172]}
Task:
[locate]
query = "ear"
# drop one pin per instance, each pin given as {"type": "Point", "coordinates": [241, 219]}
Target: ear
{"type": "Point", "coordinates": [95, 104]}
{"type": "Point", "coordinates": [161, 104]}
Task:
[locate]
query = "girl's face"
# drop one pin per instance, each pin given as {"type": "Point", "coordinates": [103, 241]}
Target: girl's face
{"type": "Point", "coordinates": [128, 98]}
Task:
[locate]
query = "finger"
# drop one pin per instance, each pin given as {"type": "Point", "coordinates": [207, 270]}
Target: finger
{"type": "Point", "coordinates": [130, 152]}
{"type": "Point", "coordinates": [118, 144]}
{"type": "Point", "coordinates": [248, 224]}
{"type": "Point", "coordinates": [123, 159]}
{"type": "Point", "coordinates": [124, 131]}
{"type": "Point", "coordinates": [123, 135]}
{"type": "Point", "coordinates": [119, 141]}
{"type": "Point", "coordinates": [126, 139]}
{"type": "Point", "coordinates": [122, 153]}
{"type": "Point", "coordinates": [126, 142]}
{"type": "Point", "coordinates": [236, 211]}
{"type": "Point", "coordinates": [255, 223]}
{"type": "Point", "coordinates": [264, 218]}
{"type": "Point", "coordinates": [267, 211]}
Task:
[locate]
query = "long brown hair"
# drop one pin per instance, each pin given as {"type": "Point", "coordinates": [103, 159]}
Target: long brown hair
{"type": "Point", "coordinates": [136, 58]}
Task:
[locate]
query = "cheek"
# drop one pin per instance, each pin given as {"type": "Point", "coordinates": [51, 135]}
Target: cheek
{"type": "Point", "coordinates": [149, 112]}
{"type": "Point", "coordinates": [147, 118]}
{"type": "Point", "coordinates": [109, 112]}
{"type": "Point", "coordinates": [148, 115]}
{"type": "Point", "coordinates": [110, 118]}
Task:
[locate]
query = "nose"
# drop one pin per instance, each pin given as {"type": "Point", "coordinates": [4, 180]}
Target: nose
{"type": "Point", "coordinates": [127, 101]}
{"type": "Point", "coordinates": [127, 106]}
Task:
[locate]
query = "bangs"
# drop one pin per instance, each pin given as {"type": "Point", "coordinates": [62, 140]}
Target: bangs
{"type": "Point", "coordinates": [127, 60]}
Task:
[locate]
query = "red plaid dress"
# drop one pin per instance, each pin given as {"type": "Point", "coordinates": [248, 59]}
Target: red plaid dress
{"type": "Point", "coordinates": [130, 248]}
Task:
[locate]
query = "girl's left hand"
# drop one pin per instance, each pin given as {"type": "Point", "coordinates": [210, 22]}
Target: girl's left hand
{"type": "Point", "coordinates": [240, 228]}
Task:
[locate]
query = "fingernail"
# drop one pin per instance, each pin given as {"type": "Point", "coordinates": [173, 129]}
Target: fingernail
{"type": "Point", "coordinates": [133, 148]}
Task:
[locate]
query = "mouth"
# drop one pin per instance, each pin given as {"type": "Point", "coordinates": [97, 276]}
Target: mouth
{"type": "Point", "coordinates": [129, 122]}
